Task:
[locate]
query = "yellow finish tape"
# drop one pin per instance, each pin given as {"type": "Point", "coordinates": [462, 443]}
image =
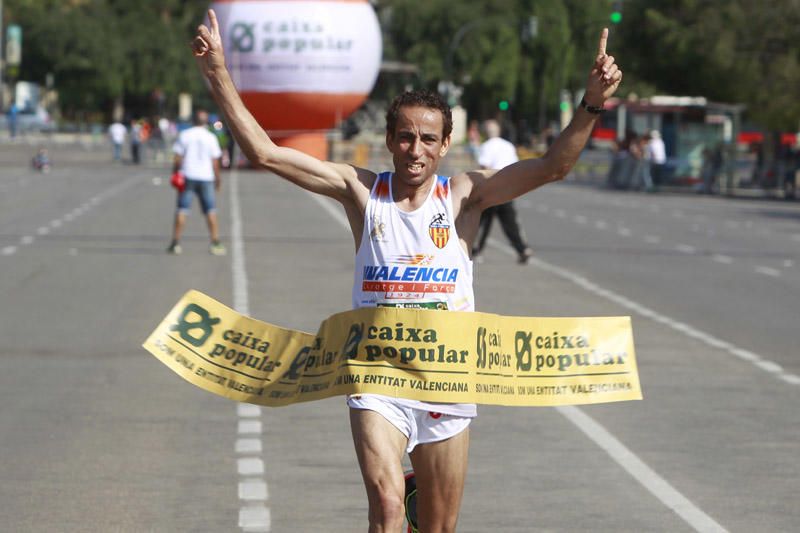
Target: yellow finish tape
{"type": "Point", "coordinates": [435, 356]}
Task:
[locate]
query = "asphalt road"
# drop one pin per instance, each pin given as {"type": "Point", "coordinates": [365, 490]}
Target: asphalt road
{"type": "Point", "coordinates": [97, 435]}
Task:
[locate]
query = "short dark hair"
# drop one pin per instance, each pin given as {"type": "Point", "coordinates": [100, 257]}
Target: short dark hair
{"type": "Point", "coordinates": [200, 117]}
{"type": "Point", "coordinates": [419, 98]}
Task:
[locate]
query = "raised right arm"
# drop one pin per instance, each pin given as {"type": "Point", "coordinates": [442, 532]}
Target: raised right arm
{"type": "Point", "coordinates": [342, 182]}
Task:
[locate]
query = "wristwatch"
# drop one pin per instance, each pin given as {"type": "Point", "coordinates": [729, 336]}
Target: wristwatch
{"type": "Point", "coordinates": [591, 108]}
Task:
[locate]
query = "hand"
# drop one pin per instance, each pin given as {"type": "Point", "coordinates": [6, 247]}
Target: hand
{"type": "Point", "coordinates": [207, 46]}
{"type": "Point", "coordinates": [604, 77]}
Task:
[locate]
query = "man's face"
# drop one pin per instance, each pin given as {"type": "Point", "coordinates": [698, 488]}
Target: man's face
{"type": "Point", "coordinates": [417, 144]}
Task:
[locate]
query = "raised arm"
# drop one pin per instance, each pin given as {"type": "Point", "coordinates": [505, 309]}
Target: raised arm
{"type": "Point", "coordinates": [524, 176]}
{"type": "Point", "coordinates": [331, 179]}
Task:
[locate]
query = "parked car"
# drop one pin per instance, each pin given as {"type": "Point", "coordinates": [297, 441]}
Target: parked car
{"type": "Point", "coordinates": [30, 122]}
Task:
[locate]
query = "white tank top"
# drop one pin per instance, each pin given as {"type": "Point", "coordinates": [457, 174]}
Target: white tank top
{"type": "Point", "coordinates": [413, 259]}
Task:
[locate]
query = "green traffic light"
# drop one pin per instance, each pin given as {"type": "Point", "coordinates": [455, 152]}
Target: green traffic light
{"type": "Point", "coordinates": [616, 17]}
{"type": "Point", "coordinates": [503, 105]}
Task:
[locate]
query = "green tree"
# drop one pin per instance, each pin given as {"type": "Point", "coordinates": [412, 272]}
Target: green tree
{"type": "Point", "coordinates": [730, 51]}
{"type": "Point", "coordinates": [106, 51]}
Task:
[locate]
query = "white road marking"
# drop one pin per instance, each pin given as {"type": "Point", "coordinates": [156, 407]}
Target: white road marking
{"type": "Point", "coordinates": [254, 518]}
{"type": "Point", "coordinates": [248, 446]}
{"type": "Point", "coordinates": [9, 250]}
{"type": "Point", "coordinates": [648, 478]}
{"type": "Point", "coordinates": [248, 410]}
{"type": "Point", "coordinates": [724, 259]}
{"type": "Point", "coordinates": [601, 224]}
{"type": "Point", "coordinates": [249, 427]}
{"type": "Point", "coordinates": [253, 490]}
{"type": "Point", "coordinates": [768, 271]}
{"type": "Point", "coordinates": [250, 466]}
{"type": "Point", "coordinates": [791, 379]}
{"type": "Point", "coordinates": [686, 248]}
{"type": "Point", "coordinates": [638, 469]}
{"type": "Point", "coordinates": [686, 329]}
{"type": "Point", "coordinates": [652, 239]}
{"type": "Point", "coordinates": [625, 232]}
{"type": "Point", "coordinates": [769, 366]}
{"type": "Point", "coordinates": [254, 514]}
{"type": "Point", "coordinates": [72, 215]}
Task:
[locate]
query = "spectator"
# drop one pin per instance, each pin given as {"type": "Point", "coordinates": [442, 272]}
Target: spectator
{"type": "Point", "coordinates": [197, 156]}
{"type": "Point", "coordinates": [117, 133]}
{"type": "Point", "coordinates": [496, 153]}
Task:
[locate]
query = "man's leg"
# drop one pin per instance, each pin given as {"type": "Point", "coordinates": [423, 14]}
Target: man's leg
{"type": "Point", "coordinates": [440, 468]}
{"type": "Point", "coordinates": [510, 223]}
{"type": "Point", "coordinates": [380, 447]}
{"type": "Point", "coordinates": [483, 230]}
{"type": "Point", "coordinates": [208, 201]}
{"type": "Point", "coordinates": [213, 229]}
{"type": "Point", "coordinates": [180, 222]}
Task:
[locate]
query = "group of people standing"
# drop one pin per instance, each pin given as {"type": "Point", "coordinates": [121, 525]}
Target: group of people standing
{"type": "Point", "coordinates": [639, 162]}
{"type": "Point", "coordinates": [154, 134]}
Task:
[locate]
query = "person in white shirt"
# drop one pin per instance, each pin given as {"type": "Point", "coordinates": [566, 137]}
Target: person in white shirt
{"type": "Point", "coordinates": [117, 133]}
{"type": "Point", "coordinates": [496, 153]}
{"type": "Point", "coordinates": [411, 210]}
{"type": "Point", "coordinates": [197, 156]}
{"type": "Point", "coordinates": [656, 154]}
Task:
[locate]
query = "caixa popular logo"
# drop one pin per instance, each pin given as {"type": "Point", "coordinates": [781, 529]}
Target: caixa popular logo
{"type": "Point", "coordinates": [354, 336]}
{"type": "Point", "coordinates": [195, 325]}
{"type": "Point", "coordinates": [316, 356]}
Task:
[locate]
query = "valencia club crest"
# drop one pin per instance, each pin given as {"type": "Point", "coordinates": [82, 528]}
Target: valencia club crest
{"type": "Point", "coordinates": [439, 230]}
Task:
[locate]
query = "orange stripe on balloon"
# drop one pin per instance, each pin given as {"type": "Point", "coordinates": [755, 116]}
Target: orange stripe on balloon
{"type": "Point", "coordinates": [332, 1]}
{"type": "Point", "coordinates": [300, 111]}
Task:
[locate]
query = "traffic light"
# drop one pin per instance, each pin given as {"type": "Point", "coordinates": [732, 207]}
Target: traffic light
{"type": "Point", "coordinates": [502, 105]}
{"type": "Point", "coordinates": [616, 12]}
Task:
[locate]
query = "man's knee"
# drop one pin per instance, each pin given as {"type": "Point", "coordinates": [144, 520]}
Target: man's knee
{"type": "Point", "coordinates": [386, 504]}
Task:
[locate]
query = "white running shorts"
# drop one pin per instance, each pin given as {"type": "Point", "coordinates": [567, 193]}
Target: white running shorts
{"type": "Point", "coordinates": [420, 427]}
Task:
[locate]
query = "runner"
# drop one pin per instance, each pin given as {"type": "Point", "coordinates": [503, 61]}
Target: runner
{"type": "Point", "coordinates": [401, 221]}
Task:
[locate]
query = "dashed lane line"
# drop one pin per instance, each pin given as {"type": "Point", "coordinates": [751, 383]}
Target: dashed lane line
{"type": "Point", "coordinates": [254, 514]}
{"type": "Point", "coordinates": [56, 223]}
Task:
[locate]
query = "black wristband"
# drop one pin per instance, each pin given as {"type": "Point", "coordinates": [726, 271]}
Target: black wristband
{"type": "Point", "coordinates": [590, 108]}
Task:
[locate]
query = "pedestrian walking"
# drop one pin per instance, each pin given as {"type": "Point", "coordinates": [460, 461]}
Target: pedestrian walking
{"type": "Point", "coordinates": [496, 153]}
{"type": "Point", "coordinates": [197, 157]}
{"type": "Point", "coordinates": [398, 217]}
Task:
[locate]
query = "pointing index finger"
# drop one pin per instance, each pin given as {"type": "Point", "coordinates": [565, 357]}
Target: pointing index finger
{"type": "Point", "coordinates": [212, 20]}
{"type": "Point", "coordinates": [601, 48]}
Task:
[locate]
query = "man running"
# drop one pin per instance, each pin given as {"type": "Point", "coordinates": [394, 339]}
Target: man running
{"type": "Point", "coordinates": [409, 217]}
